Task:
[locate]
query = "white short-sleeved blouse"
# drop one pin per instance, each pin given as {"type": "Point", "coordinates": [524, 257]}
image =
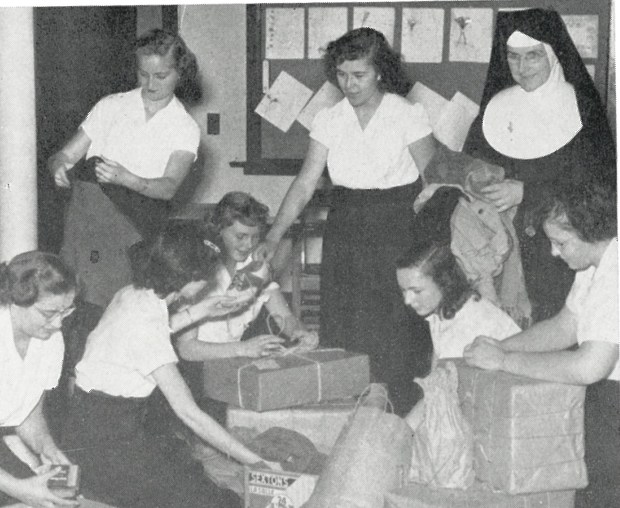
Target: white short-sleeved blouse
{"type": "Point", "coordinates": [131, 340]}
{"type": "Point", "coordinates": [231, 328]}
{"type": "Point", "coordinates": [118, 130]}
{"type": "Point", "coordinates": [23, 380]}
{"type": "Point", "coordinates": [481, 317]}
{"type": "Point", "coordinates": [378, 156]}
{"type": "Point", "coordinates": [593, 299]}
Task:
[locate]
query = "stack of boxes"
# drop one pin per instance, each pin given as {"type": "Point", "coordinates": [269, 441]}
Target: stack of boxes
{"type": "Point", "coordinates": [311, 393]}
{"type": "Point", "coordinates": [528, 445]}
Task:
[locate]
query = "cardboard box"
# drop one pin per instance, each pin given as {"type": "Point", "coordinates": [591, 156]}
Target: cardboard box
{"type": "Point", "coordinates": [321, 423]}
{"type": "Point", "coordinates": [265, 488]}
{"type": "Point", "coordinates": [421, 496]}
{"type": "Point", "coordinates": [288, 380]}
{"type": "Point", "coordinates": [528, 434]}
{"type": "Point", "coordinates": [84, 503]}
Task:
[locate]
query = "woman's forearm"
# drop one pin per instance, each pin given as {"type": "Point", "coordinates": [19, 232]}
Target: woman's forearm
{"type": "Point", "coordinates": [157, 188]}
{"type": "Point", "coordinates": [219, 437]}
{"type": "Point", "coordinates": [195, 350]}
{"type": "Point", "coordinates": [294, 202]}
{"type": "Point", "coordinates": [34, 431]}
{"type": "Point", "coordinates": [569, 367]}
{"type": "Point", "coordinates": [553, 334]}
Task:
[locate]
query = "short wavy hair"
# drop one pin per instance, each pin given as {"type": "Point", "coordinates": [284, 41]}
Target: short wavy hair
{"type": "Point", "coordinates": [368, 42]}
{"type": "Point", "coordinates": [238, 207]}
{"type": "Point", "coordinates": [162, 42]}
{"type": "Point", "coordinates": [588, 207]}
{"type": "Point", "coordinates": [435, 260]}
{"type": "Point", "coordinates": [34, 273]}
{"type": "Point", "coordinates": [174, 258]}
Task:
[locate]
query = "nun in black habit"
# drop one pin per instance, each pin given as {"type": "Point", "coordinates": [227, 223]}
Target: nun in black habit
{"type": "Point", "coordinates": [542, 119]}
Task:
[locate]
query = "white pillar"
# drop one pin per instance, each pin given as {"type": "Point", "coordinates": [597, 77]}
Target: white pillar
{"type": "Point", "coordinates": [18, 132]}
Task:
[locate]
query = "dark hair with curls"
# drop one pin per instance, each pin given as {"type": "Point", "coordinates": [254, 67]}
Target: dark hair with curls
{"type": "Point", "coordinates": [587, 207]}
{"type": "Point", "coordinates": [367, 42]}
{"type": "Point", "coordinates": [241, 207]}
{"type": "Point", "coordinates": [162, 42]}
{"type": "Point", "coordinates": [172, 259]}
{"type": "Point", "coordinates": [435, 259]}
{"type": "Point", "coordinates": [31, 274]}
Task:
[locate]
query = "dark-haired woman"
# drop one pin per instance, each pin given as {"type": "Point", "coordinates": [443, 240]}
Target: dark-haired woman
{"type": "Point", "coordinates": [127, 355]}
{"type": "Point", "coordinates": [146, 142]}
{"type": "Point", "coordinates": [436, 288]}
{"type": "Point", "coordinates": [36, 293]}
{"type": "Point", "coordinates": [582, 225]}
{"type": "Point", "coordinates": [375, 145]}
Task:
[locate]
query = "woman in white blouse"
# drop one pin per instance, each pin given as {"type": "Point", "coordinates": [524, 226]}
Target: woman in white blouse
{"type": "Point", "coordinates": [36, 292]}
{"type": "Point", "coordinates": [375, 145]}
{"type": "Point", "coordinates": [127, 355]}
{"type": "Point", "coordinates": [579, 345]}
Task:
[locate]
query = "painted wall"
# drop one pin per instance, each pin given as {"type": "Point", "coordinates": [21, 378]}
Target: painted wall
{"type": "Point", "coordinates": [216, 34]}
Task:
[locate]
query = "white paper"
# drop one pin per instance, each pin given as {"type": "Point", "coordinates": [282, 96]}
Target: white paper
{"type": "Point", "coordinates": [453, 126]}
{"type": "Point", "coordinates": [591, 68]}
{"type": "Point", "coordinates": [422, 35]}
{"type": "Point", "coordinates": [327, 96]}
{"type": "Point", "coordinates": [471, 34]}
{"type": "Point", "coordinates": [283, 102]}
{"type": "Point", "coordinates": [583, 29]}
{"type": "Point", "coordinates": [432, 101]}
{"type": "Point", "coordinates": [284, 33]}
{"type": "Point", "coordinates": [324, 26]}
{"type": "Point", "coordinates": [379, 18]}
{"type": "Point", "coordinates": [470, 106]}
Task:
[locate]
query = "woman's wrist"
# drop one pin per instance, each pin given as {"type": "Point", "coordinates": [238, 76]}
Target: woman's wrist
{"type": "Point", "coordinates": [240, 349]}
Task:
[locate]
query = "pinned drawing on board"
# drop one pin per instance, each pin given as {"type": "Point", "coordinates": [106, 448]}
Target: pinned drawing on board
{"type": "Point", "coordinates": [284, 101]}
{"type": "Point", "coordinates": [450, 119]}
{"type": "Point", "coordinates": [432, 101]}
{"type": "Point", "coordinates": [284, 33]}
{"type": "Point", "coordinates": [379, 18]}
{"type": "Point", "coordinates": [326, 96]}
{"type": "Point", "coordinates": [583, 30]}
{"type": "Point", "coordinates": [422, 35]}
{"type": "Point", "coordinates": [471, 34]}
{"type": "Point", "coordinates": [325, 24]}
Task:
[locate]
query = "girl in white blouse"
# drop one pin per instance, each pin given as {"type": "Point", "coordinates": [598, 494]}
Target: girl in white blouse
{"type": "Point", "coordinates": [375, 145]}
{"type": "Point", "coordinates": [129, 354]}
{"type": "Point", "coordinates": [435, 287]}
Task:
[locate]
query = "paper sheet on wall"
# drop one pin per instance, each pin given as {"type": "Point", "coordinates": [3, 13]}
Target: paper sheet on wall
{"type": "Point", "coordinates": [583, 29]}
{"type": "Point", "coordinates": [284, 34]}
{"type": "Point", "coordinates": [471, 32]}
{"type": "Point", "coordinates": [432, 101]}
{"type": "Point", "coordinates": [470, 106]}
{"type": "Point", "coordinates": [283, 102]}
{"type": "Point", "coordinates": [453, 125]}
{"type": "Point", "coordinates": [422, 35]}
{"type": "Point", "coordinates": [379, 18]}
{"type": "Point", "coordinates": [327, 96]}
{"type": "Point", "coordinates": [324, 25]}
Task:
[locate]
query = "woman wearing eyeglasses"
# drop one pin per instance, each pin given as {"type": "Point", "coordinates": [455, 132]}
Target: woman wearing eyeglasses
{"type": "Point", "coordinates": [36, 292]}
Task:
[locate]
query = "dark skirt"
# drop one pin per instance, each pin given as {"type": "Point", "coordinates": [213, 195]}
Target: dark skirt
{"type": "Point", "coordinates": [121, 465]}
{"type": "Point", "coordinates": [12, 465]}
{"type": "Point", "coordinates": [602, 429]}
{"type": "Point", "coordinates": [362, 308]}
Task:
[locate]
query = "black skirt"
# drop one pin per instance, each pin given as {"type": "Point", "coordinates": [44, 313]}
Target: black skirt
{"type": "Point", "coordinates": [362, 308]}
{"type": "Point", "coordinates": [121, 465]}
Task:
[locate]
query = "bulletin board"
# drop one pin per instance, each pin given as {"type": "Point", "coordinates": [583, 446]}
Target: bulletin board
{"type": "Point", "coordinates": [445, 45]}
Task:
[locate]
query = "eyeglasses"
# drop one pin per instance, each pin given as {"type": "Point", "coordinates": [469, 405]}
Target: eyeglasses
{"type": "Point", "coordinates": [51, 314]}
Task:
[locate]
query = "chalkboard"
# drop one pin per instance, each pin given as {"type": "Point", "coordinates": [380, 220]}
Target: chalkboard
{"type": "Point", "coordinates": [271, 151]}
